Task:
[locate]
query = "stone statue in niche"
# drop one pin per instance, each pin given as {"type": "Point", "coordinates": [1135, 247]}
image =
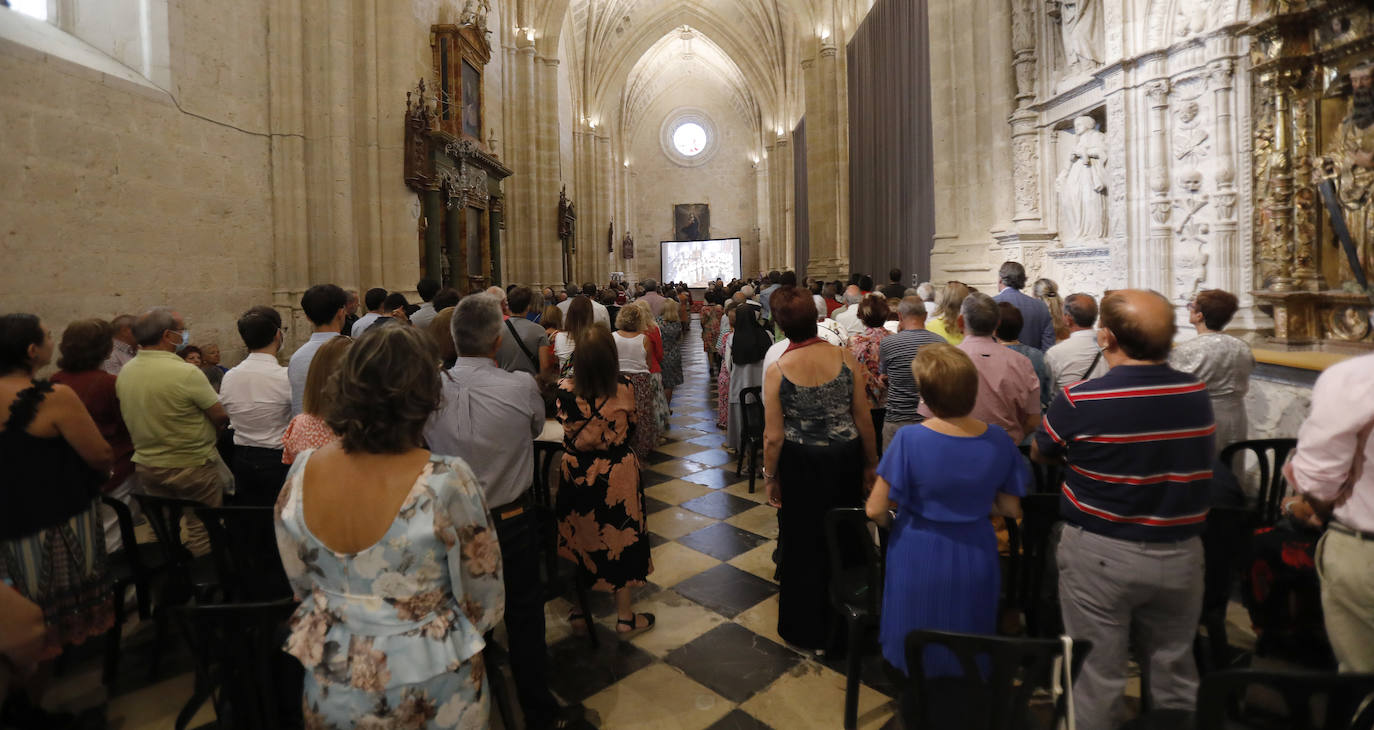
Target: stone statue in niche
{"type": "Point", "coordinates": [1192, 17]}
{"type": "Point", "coordinates": [1350, 160]}
{"type": "Point", "coordinates": [1082, 186]}
{"type": "Point", "coordinates": [1190, 139]}
{"type": "Point", "coordinates": [1081, 31]}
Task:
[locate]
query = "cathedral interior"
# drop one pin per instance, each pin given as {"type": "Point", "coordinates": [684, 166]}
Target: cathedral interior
{"type": "Point", "coordinates": [219, 155]}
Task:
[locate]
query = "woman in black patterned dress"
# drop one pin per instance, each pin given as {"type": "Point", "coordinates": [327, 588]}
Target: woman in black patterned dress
{"type": "Point", "coordinates": [601, 518]}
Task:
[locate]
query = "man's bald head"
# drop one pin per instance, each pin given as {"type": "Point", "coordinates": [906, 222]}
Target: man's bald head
{"type": "Point", "coordinates": [1141, 322]}
{"type": "Point", "coordinates": [853, 294]}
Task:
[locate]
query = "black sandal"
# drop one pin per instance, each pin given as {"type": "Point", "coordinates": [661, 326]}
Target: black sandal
{"type": "Point", "coordinates": [634, 631]}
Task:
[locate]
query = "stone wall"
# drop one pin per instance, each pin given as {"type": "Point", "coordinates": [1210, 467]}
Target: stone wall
{"type": "Point", "coordinates": [726, 181]}
{"type": "Point", "coordinates": [115, 196]}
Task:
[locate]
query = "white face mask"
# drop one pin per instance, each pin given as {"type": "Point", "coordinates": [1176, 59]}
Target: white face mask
{"type": "Point", "coordinates": [185, 340]}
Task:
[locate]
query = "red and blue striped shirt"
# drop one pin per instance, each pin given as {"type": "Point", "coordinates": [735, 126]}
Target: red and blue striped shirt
{"type": "Point", "coordinates": [1139, 445]}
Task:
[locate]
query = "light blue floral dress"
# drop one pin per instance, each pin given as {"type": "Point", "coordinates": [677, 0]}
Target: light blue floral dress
{"type": "Point", "coordinates": [391, 637]}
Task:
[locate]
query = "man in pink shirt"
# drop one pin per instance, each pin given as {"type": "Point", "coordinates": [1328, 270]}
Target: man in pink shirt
{"type": "Point", "coordinates": [1008, 390]}
{"type": "Point", "coordinates": [1333, 473]}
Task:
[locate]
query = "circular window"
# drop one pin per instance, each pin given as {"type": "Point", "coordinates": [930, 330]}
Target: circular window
{"type": "Point", "coordinates": [688, 137]}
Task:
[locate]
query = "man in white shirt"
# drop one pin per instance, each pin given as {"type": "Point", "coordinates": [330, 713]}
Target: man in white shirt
{"type": "Point", "coordinates": [375, 301]}
{"type": "Point", "coordinates": [1077, 358]}
{"type": "Point", "coordinates": [926, 291]}
{"type": "Point", "coordinates": [124, 345]}
{"type": "Point", "coordinates": [426, 288]}
{"type": "Point", "coordinates": [599, 311]}
{"type": "Point", "coordinates": [257, 396]}
{"type": "Point", "coordinates": [490, 418]}
{"type": "Point", "coordinates": [848, 317]}
{"type": "Point", "coordinates": [326, 306]}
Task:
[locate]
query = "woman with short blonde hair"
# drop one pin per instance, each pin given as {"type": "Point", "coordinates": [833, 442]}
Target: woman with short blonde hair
{"type": "Point", "coordinates": [945, 323]}
{"type": "Point", "coordinates": [937, 483]}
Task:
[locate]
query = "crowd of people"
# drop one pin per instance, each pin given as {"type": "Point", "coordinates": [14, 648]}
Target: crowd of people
{"type": "Point", "coordinates": [396, 448]}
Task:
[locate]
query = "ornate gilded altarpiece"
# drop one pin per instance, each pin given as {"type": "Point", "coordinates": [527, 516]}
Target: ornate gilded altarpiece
{"type": "Point", "coordinates": [1313, 128]}
{"type": "Point", "coordinates": [450, 168]}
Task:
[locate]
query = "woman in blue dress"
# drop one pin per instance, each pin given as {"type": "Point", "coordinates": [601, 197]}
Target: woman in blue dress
{"type": "Point", "coordinates": [937, 484]}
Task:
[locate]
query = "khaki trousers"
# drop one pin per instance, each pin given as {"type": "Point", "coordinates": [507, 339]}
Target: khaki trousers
{"type": "Point", "coordinates": [206, 484]}
{"type": "Point", "coordinates": [1343, 562]}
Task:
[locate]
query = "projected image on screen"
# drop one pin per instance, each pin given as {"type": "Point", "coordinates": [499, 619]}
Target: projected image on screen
{"type": "Point", "coordinates": [700, 262]}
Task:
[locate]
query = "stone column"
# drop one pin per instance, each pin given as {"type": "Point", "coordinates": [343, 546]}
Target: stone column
{"type": "Point", "coordinates": [522, 190]}
{"type": "Point", "coordinates": [1220, 75]}
{"type": "Point", "coordinates": [827, 169]}
{"type": "Point", "coordinates": [1153, 262]}
{"type": "Point", "coordinates": [605, 197]}
{"type": "Point", "coordinates": [286, 121]}
{"type": "Point", "coordinates": [763, 218]}
{"type": "Point", "coordinates": [546, 247]}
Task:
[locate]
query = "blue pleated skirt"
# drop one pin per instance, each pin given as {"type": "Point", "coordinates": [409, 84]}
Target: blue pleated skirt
{"type": "Point", "coordinates": [942, 576]}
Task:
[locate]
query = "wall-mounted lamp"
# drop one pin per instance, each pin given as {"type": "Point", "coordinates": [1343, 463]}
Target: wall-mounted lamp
{"type": "Point", "coordinates": [824, 33]}
{"type": "Point", "coordinates": [529, 34]}
{"type": "Point", "coordinates": [627, 163]}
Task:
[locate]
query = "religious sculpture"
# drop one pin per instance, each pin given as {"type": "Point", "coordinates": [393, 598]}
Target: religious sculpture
{"type": "Point", "coordinates": [475, 12]}
{"type": "Point", "coordinates": [1350, 161]}
{"type": "Point", "coordinates": [1190, 138]}
{"type": "Point", "coordinates": [1082, 186]}
{"type": "Point", "coordinates": [1081, 32]}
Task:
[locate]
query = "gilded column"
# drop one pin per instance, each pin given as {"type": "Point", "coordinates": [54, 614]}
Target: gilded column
{"type": "Point", "coordinates": [1280, 203]}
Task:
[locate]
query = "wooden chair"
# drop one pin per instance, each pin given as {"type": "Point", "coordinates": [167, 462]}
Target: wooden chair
{"type": "Point", "coordinates": [751, 431]}
{"type": "Point", "coordinates": [999, 675]}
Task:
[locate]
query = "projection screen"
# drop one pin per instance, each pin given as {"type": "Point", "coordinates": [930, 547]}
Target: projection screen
{"type": "Point", "coordinates": [699, 262]}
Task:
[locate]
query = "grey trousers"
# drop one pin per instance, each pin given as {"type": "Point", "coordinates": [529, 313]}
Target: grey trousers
{"type": "Point", "coordinates": [1111, 590]}
{"type": "Point", "coordinates": [890, 430]}
{"type": "Point", "coordinates": [1348, 598]}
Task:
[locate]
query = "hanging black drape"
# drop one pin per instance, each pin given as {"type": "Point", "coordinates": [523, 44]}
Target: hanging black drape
{"type": "Point", "coordinates": [891, 171]}
{"type": "Point", "coordinates": [800, 219]}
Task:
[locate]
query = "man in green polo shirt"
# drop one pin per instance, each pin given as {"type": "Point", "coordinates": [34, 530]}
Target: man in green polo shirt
{"type": "Point", "coordinates": [174, 417]}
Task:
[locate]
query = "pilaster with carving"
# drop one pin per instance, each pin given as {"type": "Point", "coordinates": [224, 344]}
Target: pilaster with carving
{"type": "Point", "coordinates": [1161, 209]}
{"type": "Point", "coordinates": [1220, 75]}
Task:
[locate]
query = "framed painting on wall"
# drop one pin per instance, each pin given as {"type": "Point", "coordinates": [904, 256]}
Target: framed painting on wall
{"type": "Point", "coordinates": [692, 221]}
{"type": "Point", "coordinates": [472, 101]}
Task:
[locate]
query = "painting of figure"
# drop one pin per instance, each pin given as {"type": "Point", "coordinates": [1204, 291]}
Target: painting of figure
{"type": "Point", "coordinates": [692, 221]}
{"type": "Point", "coordinates": [472, 101]}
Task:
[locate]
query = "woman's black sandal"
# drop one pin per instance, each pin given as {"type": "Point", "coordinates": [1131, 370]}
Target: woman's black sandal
{"type": "Point", "coordinates": [649, 624]}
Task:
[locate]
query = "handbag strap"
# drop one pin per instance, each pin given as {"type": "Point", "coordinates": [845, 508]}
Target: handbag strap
{"type": "Point", "coordinates": [521, 344]}
{"type": "Point", "coordinates": [1096, 359]}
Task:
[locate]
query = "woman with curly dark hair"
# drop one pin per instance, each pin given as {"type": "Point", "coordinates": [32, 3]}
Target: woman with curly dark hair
{"type": "Point", "coordinates": [85, 345]}
{"type": "Point", "coordinates": [392, 551]}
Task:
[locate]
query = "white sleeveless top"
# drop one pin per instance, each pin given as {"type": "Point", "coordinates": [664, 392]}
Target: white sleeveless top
{"type": "Point", "coordinates": [633, 353]}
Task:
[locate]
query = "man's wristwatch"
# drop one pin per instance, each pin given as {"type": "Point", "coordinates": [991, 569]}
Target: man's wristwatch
{"type": "Point", "coordinates": [766, 475]}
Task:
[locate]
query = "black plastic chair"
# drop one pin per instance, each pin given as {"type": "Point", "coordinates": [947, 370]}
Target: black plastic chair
{"type": "Point", "coordinates": [1032, 552]}
{"type": "Point", "coordinates": [187, 577]}
{"type": "Point", "coordinates": [1047, 477]}
{"type": "Point", "coordinates": [751, 432]}
{"type": "Point", "coordinates": [994, 696]}
{"type": "Point", "coordinates": [1226, 545]}
{"type": "Point", "coordinates": [1248, 698]}
{"type": "Point", "coordinates": [243, 545]}
{"type": "Point", "coordinates": [856, 589]}
{"type": "Point", "coordinates": [1271, 454]}
{"type": "Point", "coordinates": [546, 455]}
{"type": "Point", "coordinates": [251, 682]}
{"type": "Point", "coordinates": [133, 565]}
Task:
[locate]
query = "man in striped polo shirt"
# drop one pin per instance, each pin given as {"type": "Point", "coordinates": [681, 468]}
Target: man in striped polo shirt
{"type": "Point", "coordinates": [1138, 446]}
{"type": "Point", "coordinates": [895, 355]}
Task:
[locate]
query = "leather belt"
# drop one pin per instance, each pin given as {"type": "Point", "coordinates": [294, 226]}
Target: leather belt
{"type": "Point", "coordinates": [509, 511]}
{"type": "Point", "coordinates": [1348, 530]}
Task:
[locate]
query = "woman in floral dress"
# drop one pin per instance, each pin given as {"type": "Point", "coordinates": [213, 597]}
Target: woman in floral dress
{"type": "Point", "coordinates": [723, 378]}
{"type": "Point", "coordinates": [873, 313]}
{"type": "Point", "coordinates": [392, 552]}
{"type": "Point", "coordinates": [601, 517]}
{"type": "Point", "coordinates": [671, 326]}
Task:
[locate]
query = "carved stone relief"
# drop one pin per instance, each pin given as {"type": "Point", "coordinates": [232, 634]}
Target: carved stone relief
{"type": "Point", "coordinates": [1081, 30]}
{"type": "Point", "coordinates": [1082, 186]}
{"type": "Point", "coordinates": [1190, 244]}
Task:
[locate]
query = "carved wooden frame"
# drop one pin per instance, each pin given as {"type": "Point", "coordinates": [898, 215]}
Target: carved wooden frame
{"type": "Point", "coordinates": [451, 45]}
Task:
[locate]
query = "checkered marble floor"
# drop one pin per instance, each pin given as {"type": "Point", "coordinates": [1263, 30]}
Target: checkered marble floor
{"type": "Point", "coordinates": [714, 660]}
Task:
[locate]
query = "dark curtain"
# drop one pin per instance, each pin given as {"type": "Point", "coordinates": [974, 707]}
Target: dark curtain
{"type": "Point", "coordinates": [801, 218]}
{"type": "Point", "coordinates": [891, 195]}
